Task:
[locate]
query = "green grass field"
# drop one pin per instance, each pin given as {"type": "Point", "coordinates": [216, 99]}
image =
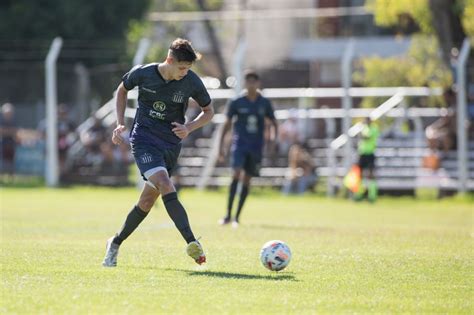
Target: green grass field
{"type": "Point", "coordinates": [395, 256]}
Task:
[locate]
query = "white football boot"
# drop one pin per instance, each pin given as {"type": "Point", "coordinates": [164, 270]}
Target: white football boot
{"type": "Point", "coordinates": [195, 251]}
{"type": "Point", "coordinates": [111, 253]}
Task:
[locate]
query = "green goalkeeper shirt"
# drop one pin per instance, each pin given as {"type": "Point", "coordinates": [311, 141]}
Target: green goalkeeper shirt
{"type": "Point", "coordinates": [368, 141]}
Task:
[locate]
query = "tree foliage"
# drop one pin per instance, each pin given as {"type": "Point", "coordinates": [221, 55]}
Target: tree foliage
{"type": "Point", "coordinates": [423, 65]}
{"type": "Point", "coordinates": [46, 19]}
{"type": "Point", "coordinates": [468, 17]}
{"type": "Point", "coordinates": [163, 33]}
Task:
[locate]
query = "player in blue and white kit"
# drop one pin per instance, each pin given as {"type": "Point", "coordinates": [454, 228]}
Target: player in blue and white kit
{"type": "Point", "coordinates": [163, 92]}
{"type": "Point", "coordinates": [247, 114]}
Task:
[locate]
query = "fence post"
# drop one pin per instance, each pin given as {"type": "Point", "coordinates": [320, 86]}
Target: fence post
{"type": "Point", "coordinates": [51, 90]}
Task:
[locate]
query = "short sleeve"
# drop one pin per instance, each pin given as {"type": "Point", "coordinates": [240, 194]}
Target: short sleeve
{"type": "Point", "coordinates": [269, 110]}
{"type": "Point", "coordinates": [230, 111]}
{"type": "Point", "coordinates": [131, 78]}
{"type": "Point", "coordinates": [200, 94]}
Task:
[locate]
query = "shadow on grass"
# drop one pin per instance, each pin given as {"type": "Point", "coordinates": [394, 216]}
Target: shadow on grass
{"type": "Point", "coordinates": [244, 276]}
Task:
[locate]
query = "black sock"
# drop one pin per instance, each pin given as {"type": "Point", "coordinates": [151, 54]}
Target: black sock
{"type": "Point", "coordinates": [178, 215]}
{"type": "Point", "coordinates": [243, 196]}
{"type": "Point", "coordinates": [232, 191]}
{"type": "Point", "coordinates": [134, 218]}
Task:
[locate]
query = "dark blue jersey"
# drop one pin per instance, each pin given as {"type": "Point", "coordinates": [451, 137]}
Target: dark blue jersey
{"type": "Point", "coordinates": [161, 102]}
{"type": "Point", "coordinates": [249, 121]}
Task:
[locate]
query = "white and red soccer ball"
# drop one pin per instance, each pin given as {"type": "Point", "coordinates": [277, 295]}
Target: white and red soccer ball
{"type": "Point", "coordinates": [275, 255]}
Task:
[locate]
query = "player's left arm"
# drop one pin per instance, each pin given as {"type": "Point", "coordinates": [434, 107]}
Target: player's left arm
{"type": "Point", "coordinates": [182, 131]}
{"type": "Point", "coordinates": [270, 115]}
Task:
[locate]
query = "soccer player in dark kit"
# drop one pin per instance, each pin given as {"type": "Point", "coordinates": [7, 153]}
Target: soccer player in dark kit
{"type": "Point", "coordinates": [247, 113]}
{"type": "Point", "coordinates": [159, 126]}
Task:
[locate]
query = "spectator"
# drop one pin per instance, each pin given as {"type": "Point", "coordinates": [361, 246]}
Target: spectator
{"type": "Point", "coordinates": [8, 139]}
{"type": "Point", "coordinates": [441, 135]}
{"type": "Point", "coordinates": [66, 134]}
{"type": "Point", "coordinates": [93, 141]}
{"type": "Point", "coordinates": [301, 175]}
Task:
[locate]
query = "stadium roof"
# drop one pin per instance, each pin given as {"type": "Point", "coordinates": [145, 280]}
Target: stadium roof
{"type": "Point", "coordinates": [333, 48]}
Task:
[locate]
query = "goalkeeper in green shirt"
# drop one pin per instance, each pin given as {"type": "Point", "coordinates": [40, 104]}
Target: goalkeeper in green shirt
{"type": "Point", "coordinates": [366, 149]}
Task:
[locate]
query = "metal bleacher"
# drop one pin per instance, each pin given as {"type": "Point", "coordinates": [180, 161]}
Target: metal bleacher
{"type": "Point", "coordinates": [399, 158]}
{"type": "Point", "coordinates": [399, 166]}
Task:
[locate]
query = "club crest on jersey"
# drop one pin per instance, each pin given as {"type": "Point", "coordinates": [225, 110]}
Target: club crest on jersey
{"type": "Point", "coordinates": [178, 97]}
{"type": "Point", "coordinates": [146, 158]}
{"type": "Point", "coordinates": [159, 106]}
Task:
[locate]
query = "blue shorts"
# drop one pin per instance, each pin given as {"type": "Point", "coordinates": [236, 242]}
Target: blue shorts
{"type": "Point", "coordinates": [149, 157]}
{"type": "Point", "coordinates": [247, 160]}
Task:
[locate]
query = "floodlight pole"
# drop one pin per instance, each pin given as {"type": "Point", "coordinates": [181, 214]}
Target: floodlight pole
{"type": "Point", "coordinates": [346, 75]}
{"type": "Point", "coordinates": [238, 64]}
{"type": "Point", "coordinates": [52, 167]}
{"type": "Point", "coordinates": [461, 116]}
{"type": "Point", "coordinates": [142, 50]}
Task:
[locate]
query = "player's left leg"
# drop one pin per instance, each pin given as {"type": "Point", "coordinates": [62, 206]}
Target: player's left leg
{"type": "Point", "coordinates": [372, 189]}
{"type": "Point", "coordinates": [177, 213]}
{"type": "Point", "coordinates": [139, 212]}
{"type": "Point", "coordinates": [251, 168]}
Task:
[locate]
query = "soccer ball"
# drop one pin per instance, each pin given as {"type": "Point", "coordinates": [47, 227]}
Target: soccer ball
{"type": "Point", "coordinates": [275, 255]}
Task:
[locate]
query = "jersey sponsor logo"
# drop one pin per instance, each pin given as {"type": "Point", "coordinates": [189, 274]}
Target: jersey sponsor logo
{"type": "Point", "coordinates": [146, 158]}
{"type": "Point", "coordinates": [178, 97]}
{"type": "Point", "coordinates": [157, 111]}
{"type": "Point", "coordinates": [159, 106]}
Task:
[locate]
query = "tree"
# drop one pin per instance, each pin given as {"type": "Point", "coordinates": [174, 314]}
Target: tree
{"type": "Point", "coordinates": [91, 23]}
{"type": "Point", "coordinates": [45, 19]}
{"type": "Point", "coordinates": [449, 20]}
{"type": "Point", "coordinates": [442, 25]}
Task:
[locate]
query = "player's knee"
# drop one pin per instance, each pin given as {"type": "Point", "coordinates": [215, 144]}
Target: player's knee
{"type": "Point", "coordinates": [146, 203]}
{"type": "Point", "coordinates": [236, 174]}
{"type": "Point", "coordinates": [163, 182]}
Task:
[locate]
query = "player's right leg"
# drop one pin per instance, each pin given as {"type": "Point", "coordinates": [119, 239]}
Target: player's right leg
{"type": "Point", "coordinates": [236, 174]}
{"type": "Point", "coordinates": [177, 213]}
{"type": "Point", "coordinates": [237, 161]}
{"type": "Point", "coordinates": [134, 218]}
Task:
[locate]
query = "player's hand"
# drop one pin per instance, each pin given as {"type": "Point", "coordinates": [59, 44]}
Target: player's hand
{"type": "Point", "coordinates": [180, 130]}
{"type": "Point", "coordinates": [117, 135]}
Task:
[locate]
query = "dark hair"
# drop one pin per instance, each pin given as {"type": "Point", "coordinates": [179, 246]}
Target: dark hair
{"type": "Point", "coordinates": [250, 74]}
{"type": "Point", "coordinates": [182, 50]}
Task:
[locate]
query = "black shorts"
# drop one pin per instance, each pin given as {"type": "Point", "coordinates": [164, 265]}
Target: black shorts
{"type": "Point", "coordinates": [367, 161]}
{"type": "Point", "coordinates": [149, 157]}
{"type": "Point", "coordinates": [247, 160]}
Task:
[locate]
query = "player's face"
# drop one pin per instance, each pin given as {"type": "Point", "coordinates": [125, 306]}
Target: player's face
{"type": "Point", "coordinates": [180, 69]}
{"type": "Point", "coordinates": [252, 84]}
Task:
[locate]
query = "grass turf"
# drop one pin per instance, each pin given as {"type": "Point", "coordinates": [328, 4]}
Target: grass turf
{"type": "Point", "coordinates": [399, 255]}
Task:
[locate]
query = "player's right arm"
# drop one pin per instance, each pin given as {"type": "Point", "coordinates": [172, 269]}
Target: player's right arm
{"type": "Point", "coordinates": [120, 105]}
{"type": "Point", "coordinates": [130, 80]}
